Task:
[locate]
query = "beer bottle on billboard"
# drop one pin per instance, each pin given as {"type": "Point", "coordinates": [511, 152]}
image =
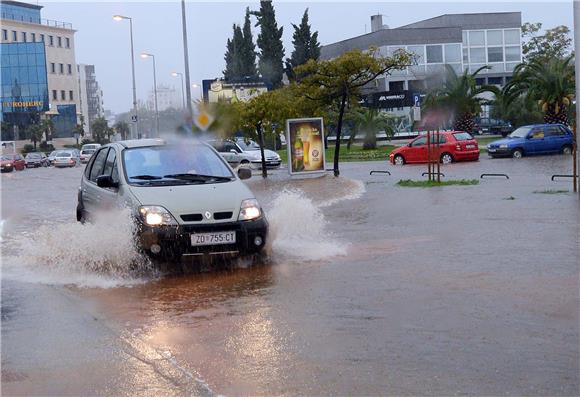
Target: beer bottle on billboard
{"type": "Point", "coordinates": [298, 163]}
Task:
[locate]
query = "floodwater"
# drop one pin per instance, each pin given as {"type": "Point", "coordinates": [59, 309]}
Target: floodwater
{"type": "Point", "coordinates": [369, 289]}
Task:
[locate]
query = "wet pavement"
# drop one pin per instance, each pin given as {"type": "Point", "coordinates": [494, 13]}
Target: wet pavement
{"type": "Point", "coordinates": [370, 289]}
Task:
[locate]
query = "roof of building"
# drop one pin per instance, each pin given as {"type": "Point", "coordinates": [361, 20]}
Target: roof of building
{"type": "Point", "coordinates": [21, 4]}
{"type": "Point", "coordinates": [445, 28]}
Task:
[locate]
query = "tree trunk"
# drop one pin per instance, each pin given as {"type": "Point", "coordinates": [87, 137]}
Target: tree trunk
{"type": "Point", "coordinates": [338, 133]}
{"type": "Point", "coordinates": [261, 139]}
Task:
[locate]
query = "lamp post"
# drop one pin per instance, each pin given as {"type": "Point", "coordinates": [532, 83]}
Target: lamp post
{"type": "Point", "coordinates": [175, 74]}
{"type": "Point", "coordinates": [135, 133]}
{"type": "Point", "coordinates": [144, 56]}
{"type": "Point", "coordinates": [195, 86]}
{"type": "Point", "coordinates": [186, 58]}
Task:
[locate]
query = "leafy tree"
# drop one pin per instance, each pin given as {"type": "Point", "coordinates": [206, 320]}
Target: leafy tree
{"type": "Point", "coordinates": [122, 127]}
{"type": "Point", "coordinates": [35, 132]}
{"type": "Point", "coordinates": [79, 129]}
{"type": "Point", "coordinates": [550, 82]}
{"type": "Point", "coordinates": [248, 53]}
{"type": "Point", "coordinates": [47, 127]}
{"type": "Point", "coordinates": [338, 82]}
{"type": "Point", "coordinates": [516, 108]}
{"type": "Point", "coordinates": [459, 98]}
{"type": "Point", "coordinates": [554, 43]}
{"type": "Point", "coordinates": [101, 130]}
{"type": "Point", "coordinates": [370, 122]}
{"type": "Point", "coordinates": [233, 55]}
{"type": "Point", "coordinates": [306, 46]}
{"type": "Point", "coordinates": [271, 62]}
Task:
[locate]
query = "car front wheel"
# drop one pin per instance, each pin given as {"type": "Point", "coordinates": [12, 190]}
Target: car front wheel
{"type": "Point", "coordinates": [399, 160]}
{"type": "Point", "coordinates": [517, 154]}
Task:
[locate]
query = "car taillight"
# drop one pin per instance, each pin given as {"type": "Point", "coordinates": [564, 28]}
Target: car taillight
{"type": "Point", "coordinates": [71, 161]}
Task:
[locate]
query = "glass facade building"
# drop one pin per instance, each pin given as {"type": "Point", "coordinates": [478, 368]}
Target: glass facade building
{"type": "Point", "coordinates": [24, 82]}
{"type": "Point", "coordinates": [19, 12]}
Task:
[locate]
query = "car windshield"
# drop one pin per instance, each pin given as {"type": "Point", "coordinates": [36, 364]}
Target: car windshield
{"type": "Point", "coordinates": [521, 132]}
{"type": "Point", "coordinates": [33, 155]}
{"type": "Point", "coordinates": [174, 165]}
{"type": "Point", "coordinates": [7, 158]}
{"type": "Point", "coordinates": [249, 145]}
{"type": "Point", "coordinates": [53, 154]}
{"type": "Point", "coordinates": [63, 154]}
{"type": "Point", "coordinates": [462, 136]}
{"type": "Point", "coordinates": [88, 151]}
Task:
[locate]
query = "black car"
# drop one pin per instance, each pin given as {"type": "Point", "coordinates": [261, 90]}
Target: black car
{"type": "Point", "coordinates": [36, 159]}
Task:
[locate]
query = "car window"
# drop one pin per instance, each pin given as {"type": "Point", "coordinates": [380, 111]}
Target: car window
{"type": "Point", "coordinates": [98, 164]}
{"type": "Point", "coordinates": [229, 146]}
{"type": "Point", "coordinates": [554, 130]}
{"type": "Point", "coordinates": [110, 162]}
{"type": "Point", "coordinates": [217, 145]}
{"type": "Point", "coordinates": [115, 172]}
{"type": "Point", "coordinates": [63, 154]}
{"type": "Point", "coordinates": [419, 142]}
{"type": "Point", "coordinates": [537, 133]}
{"type": "Point", "coordinates": [462, 136]}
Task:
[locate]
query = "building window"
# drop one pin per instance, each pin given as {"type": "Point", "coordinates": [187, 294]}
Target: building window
{"type": "Point", "coordinates": [51, 41]}
{"type": "Point", "coordinates": [512, 36]}
{"type": "Point", "coordinates": [54, 96]}
{"type": "Point", "coordinates": [70, 95]}
{"type": "Point", "coordinates": [24, 37]}
{"type": "Point", "coordinates": [33, 37]}
{"type": "Point", "coordinates": [434, 54]}
{"type": "Point", "coordinates": [476, 37]}
{"type": "Point", "coordinates": [480, 81]}
{"type": "Point", "coordinates": [52, 67]}
{"type": "Point", "coordinates": [512, 54]}
{"type": "Point", "coordinates": [419, 52]}
{"type": "Point", "coordinates": [62, 95]}
{"type": "Point", "coordinates": [42, 38]}
{"type": "Point", "coordinates": [476, 55]}
{"type": "Point", "coordinates": [14, 35]}
{"type": "Point", "coordinates": [495, 54]}
{"type": "Point", "coordinates": [67, 41]}
{"type": "Point", "coordinates": [495, 80]}
{"type": "Point", "coordinates": [452, 53]}
{"type": "Point", "coordinates": [4, 34]}
{"type": "Point", "coordinates": [59, 41]}
{"type": "Point", "coordinates": [494, 37]}
{"type": "Point", "coordinates": [396, 86]}
{"type": "Point", "coordinates": [69, 67]}
{"type": "Point", "coordinates": [61, 68]}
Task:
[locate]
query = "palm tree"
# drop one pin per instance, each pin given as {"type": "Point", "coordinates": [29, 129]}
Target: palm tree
{"type": "Point", "coordinates": [459, 98]}
{"type": "Point", "coordinates": [35, 132]}
{"type": "Point", "coordinates": [369, 122]}
{"type": "Point", "coordinates": [550, 82]}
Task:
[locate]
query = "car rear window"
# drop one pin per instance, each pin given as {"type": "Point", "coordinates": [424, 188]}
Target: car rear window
{"type": "Point", "coordinates": [462, 136]}
{"type": "Point", "coordinates": [63, 154]}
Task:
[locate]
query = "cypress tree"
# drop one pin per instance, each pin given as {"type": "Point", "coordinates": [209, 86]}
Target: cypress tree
{"type": "Point", "coordinates": [233, 58]}
{"type": "Point", "coordinates": [271, 63]}
{"type": "Point", "coordinates": [248, 55]}
{"type": "Point", "coordinates": [306, 46]}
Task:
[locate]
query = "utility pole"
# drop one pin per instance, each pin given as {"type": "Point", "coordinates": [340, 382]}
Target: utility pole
{"type": "Point", "coordinates": [575, 153]}
{"type": "Point", "coordinates": [186, 59]}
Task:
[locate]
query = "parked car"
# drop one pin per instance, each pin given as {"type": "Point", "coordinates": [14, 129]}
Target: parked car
{"type": "Point", "coordinates": [186, 200]}
{"type": "Point", "coordinates": [231, 152]}
{"type": "Point", "coordinates": [66, 158]}
{"type": "Point", "coordinates": [251, 148]}
{"type": "Point", "coordinates": [36, 159]}
{"type": "Point", "coordinates": [86, 154]}
{"type": "Point", "coordinates": [486, 125]}
{"type": "Point", "coordinates": [90, 146]}
{"type": "Point", "coordinates": [453, 146]}
{"type": "Point", "coordinates": [12, 162]}
{"type": "Point", "coordinates": [533, 139]}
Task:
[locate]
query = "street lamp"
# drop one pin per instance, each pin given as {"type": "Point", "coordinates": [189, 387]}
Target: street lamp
{"type": "Point", "coordinates": [134, 118]}
{"type": "Point", "coordinates": [175, 74]}
{"type": "Point", "coordinates": [195, 85]}
{"type": "Point", "coordinates": [144, 56]}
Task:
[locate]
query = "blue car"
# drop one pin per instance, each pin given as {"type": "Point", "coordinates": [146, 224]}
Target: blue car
{"type": "Point", "coordinates": [533, 139]}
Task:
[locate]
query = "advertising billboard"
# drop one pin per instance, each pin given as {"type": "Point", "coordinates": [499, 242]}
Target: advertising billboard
{"type": "Point", "coordinates": [305, 144]}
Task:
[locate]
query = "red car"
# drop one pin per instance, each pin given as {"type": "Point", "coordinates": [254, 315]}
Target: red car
{"type": "Point", "coordinates": [11, 162]}
{"type": "Point", "coordinates": [453, 146]}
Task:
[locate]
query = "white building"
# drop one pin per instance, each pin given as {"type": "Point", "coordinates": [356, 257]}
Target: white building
{"type": "Point", "coordinates": [90, 95]}
{"type": "Point", "coordinates": [167, 97]}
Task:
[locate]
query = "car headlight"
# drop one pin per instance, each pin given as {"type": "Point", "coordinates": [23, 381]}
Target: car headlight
{"type": "Point", "coordinates": [9, 165]}
{"type": "Point", "coordinates": [155, 215]}
{"type": "Point", "coordinates": [250, 209]}
{"type": "Point", "coordinates": [504, 146]}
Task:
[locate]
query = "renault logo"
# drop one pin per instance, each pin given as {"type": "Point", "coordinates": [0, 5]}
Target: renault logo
{"type": "Point", "coordinates": [208, 214]}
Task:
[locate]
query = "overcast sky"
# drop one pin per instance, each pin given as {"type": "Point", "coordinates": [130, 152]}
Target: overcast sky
{"type": "Point", "coordinates": [157, 29]}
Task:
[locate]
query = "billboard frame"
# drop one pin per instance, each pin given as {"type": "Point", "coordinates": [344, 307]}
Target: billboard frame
{"type": "Point", "coordinates": [289, 145]}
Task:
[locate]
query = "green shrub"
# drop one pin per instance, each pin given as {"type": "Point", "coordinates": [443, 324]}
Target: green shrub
{"type": "Point", "coordinates": [27, 149]}
{"type": "Point", "coordinates": [45, 147]}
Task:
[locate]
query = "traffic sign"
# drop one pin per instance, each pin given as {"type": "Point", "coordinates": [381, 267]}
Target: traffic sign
{"type": "Point", "coordinates": [417, 100]}
{"type": "Point", "coordinates": [203, 120]}
{"type": "Point", "coordinates": [134, 118]}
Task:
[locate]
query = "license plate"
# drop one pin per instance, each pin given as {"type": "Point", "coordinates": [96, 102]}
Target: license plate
{"type": "Point", "coordinates": [470, 146]}
{"type": "Point", "coordinates": [217, 238]}
{"type": "Point", "coordinates": [491, 150]}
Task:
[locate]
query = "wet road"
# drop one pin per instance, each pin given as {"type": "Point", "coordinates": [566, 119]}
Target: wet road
{"type": "Point", "coordinates": [371, 289]}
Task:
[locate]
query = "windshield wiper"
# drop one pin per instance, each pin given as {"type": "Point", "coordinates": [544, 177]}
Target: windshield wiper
{"type": "Point", "coordinates": [198, 177]}
{"type": "Point", "coordinates": [146, 177]}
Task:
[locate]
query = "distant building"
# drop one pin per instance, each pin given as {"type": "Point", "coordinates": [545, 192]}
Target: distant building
{"type": "Point", "coordinates": [90, 95]}
{"type": "Point", "coordinates": [39, 75]}
{"type": "Point", "coordinates": [167, 97]}
{"type": "Point", "coordinates": [463, 41]}
{"type": "Point", "coordinates": [220, 90]}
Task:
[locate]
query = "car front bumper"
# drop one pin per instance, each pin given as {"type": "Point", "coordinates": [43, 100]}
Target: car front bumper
{"type": "Point", "coordinates": [499, 152]}
{"type": "Point", "coordinates": [175, 241]}
{"type": "Point", "coordinates": [269, 163]}
{"type": "Point", "coordinates": [6, 168]}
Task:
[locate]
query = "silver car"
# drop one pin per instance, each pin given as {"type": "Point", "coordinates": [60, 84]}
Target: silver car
{"type": "Point", "coordinates": [66, 158]}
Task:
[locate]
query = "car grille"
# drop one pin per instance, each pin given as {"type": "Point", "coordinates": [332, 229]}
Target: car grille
{"type": "Point", "coordinates": [218, 216]}
{"type": "Point", "coordinates": [192, 217]}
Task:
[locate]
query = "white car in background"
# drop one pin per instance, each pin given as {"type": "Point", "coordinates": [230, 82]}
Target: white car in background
{"type": "Point", "coordinates": [241, 152]}
{"type": "Point", "coordinates": [252, 149]}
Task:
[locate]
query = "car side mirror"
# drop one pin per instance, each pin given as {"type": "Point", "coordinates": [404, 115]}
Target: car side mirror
{"type": "Point", "coordinates": [106, 181]}
{"type": "Point", "coordinates": [244, 173]}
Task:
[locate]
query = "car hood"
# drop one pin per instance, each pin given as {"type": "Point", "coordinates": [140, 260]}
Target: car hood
{"type": "Point", "coordinates": [195, 199]}
{"type": "Point", "coordinates": [398, 150]}
{"type": "Point", "coordinates": [506, 141]}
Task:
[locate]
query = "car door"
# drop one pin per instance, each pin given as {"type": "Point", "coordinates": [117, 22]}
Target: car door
{"type": "Point", "coordinates": [232, 153]}
{"type": "Point", "coordinates": [557, 137]}
{"type": "Point", "coordinates": [91, 193]}
{"type": "Point", "coordinates": [535, 142]}
{"type": "Point", "coordinates": [417, 152]}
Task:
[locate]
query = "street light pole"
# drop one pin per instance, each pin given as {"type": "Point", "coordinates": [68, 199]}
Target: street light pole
{"type": "Point", "coordinates": [175, 74]}
{"type": "Point", "coordinates": [575, 153]}
{"type": "Point", "coordinates": [135, 133]}
{"type": "Point", "coordinates": [186, 59]}
{"type": "Point", "coordinates": [146, 55]}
